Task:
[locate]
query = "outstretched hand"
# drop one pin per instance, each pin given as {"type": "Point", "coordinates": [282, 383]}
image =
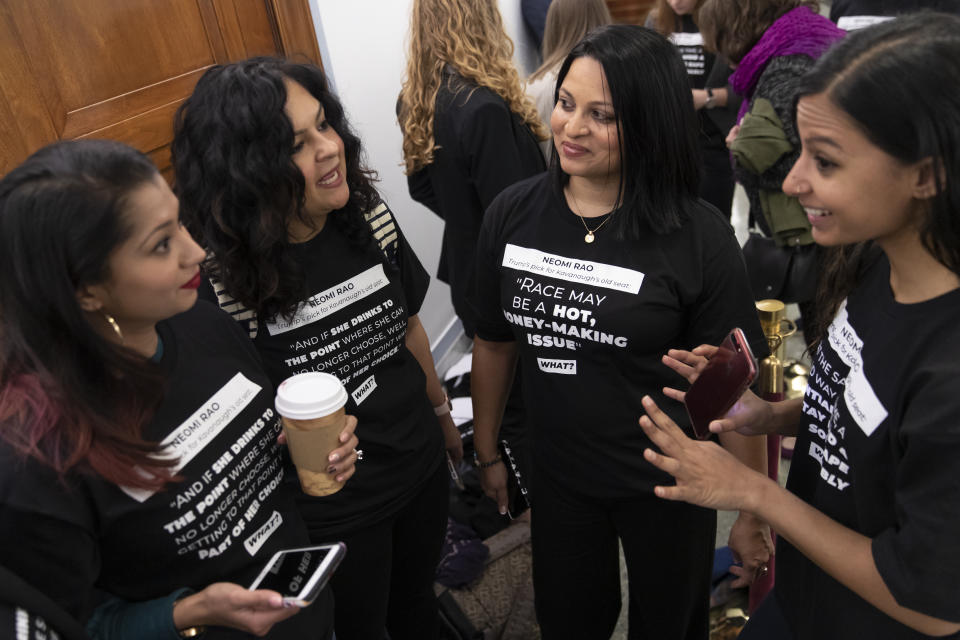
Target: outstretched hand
{"type": "Point", "coordinates": [749, 416]}
{"type": "Point", "coordinates": [706, 474]}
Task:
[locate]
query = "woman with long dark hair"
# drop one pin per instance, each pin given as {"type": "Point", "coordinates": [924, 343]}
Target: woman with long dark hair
{"type": "Point", "coordinates": [867, 524]}
{"type": "Point", "coordinates": [306, 255]}
{"type": "Point", "coordinates": [138, 439]}
{"type": "Point", "coordinates": [587, 273]}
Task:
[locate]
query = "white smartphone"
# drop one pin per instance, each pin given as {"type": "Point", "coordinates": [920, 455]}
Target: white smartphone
{"type": "Point", "coordinates": [300, 574]}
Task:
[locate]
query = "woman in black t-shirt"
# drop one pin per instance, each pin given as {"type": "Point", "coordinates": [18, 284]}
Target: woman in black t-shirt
{"type": "Point", "coordinates": [129, 416]}
{"type": "Point", "coordinates": [588, 273]}
{"type": "Point", "coordinates": [868, 521]}
{"type": "Point", "coordinates": [306, 255]}
{"type": "Point", "coordinates": [714, 100]}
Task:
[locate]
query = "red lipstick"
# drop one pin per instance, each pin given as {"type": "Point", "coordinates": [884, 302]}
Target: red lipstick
{"type": "Point", "coordinates": [193, 282]}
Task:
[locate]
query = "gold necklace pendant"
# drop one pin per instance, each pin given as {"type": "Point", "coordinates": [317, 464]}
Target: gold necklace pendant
{"type": "Point", "coordinates": [590, 237]}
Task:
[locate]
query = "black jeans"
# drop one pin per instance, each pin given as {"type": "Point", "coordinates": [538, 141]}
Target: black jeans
{"type": "Point", "coordinates": [668, 548]}
{"type": "Point", "coordinates": [386, 579]}
{"type": "Point", "coordinates": [767, 622]}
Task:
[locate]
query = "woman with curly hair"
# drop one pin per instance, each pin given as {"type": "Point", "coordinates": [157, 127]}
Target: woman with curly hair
{"type": "Point", "coordinates": [306, 255]}
{"type": "Point", "coordinates": [469, 130]}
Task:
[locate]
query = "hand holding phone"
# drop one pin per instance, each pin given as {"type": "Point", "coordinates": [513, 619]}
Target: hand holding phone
{"type": "Point", "coordinates": [721, 383]}
{"type": "Point", "coordinates": [300, 574]}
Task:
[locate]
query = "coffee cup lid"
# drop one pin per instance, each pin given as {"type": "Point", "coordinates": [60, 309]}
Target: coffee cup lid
{"type": "Point", "coordinates": [310, 395]}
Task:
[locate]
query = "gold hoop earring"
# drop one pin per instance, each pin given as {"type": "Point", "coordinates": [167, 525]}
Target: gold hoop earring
{"type": "Point", "coordinates": [113, 325]}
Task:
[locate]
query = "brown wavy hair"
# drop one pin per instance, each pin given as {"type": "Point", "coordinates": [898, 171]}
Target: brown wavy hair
{"type": "Point", "coordinates": [468, 35]}
{"type": "Point", "coordinates": [732, 27]}
{"type": "Point", "coordinates": [666, 20]}
{"type": "Point", "coordinates": [568, 21]}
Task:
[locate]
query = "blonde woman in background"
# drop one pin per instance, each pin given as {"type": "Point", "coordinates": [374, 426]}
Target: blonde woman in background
{"type": "Point", "coordinates": [567, 22]}
{"type": "Point", "coordinates": [469, 130]}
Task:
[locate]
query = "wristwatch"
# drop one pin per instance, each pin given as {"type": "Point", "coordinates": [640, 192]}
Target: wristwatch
{"type": "Point", "coordinates": [711, 101]}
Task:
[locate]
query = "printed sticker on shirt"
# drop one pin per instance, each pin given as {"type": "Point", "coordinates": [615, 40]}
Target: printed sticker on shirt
{"type": "Point", "coordinates": [322, 304]}
{"type": "Point", "coordinates": [862, 402]}
{"type": "Point", "coordinates": [206, 423]}
{"type": "Point", "coordinates": [365, 389]}
{"type": "Point", "coordinates": [253, 543]}
{"type": "Point", "coordinates": [687, 39]}
{"type": "Point", "coordinates": [584, 272]}
{"type": "Point", "coordinates": [552, 365]}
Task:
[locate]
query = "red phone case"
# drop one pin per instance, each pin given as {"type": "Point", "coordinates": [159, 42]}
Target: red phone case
{"type": "Point", "coordinates": [728, 374]}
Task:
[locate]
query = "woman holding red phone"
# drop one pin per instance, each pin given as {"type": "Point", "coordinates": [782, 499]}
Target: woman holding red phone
{"type": "Point", "coordinates": [585, 274]}
{"type": "Point", "coordinates": [867, 524]}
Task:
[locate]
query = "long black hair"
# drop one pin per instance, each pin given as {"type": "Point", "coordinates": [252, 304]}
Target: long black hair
{"type": "Point", "coordinates": [68, 396]}
{"type": "Point", "coordinates": [239, 187]}
{"type": "Point", "coordinates": [656, 124]}
{"type": "Point", "coordinates": [898, 81]}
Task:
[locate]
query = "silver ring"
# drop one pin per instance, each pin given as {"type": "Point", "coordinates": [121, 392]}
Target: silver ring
{"type": "Point", "coordinates": [359, 453]}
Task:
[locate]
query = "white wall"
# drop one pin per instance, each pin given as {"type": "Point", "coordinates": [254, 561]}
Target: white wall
{"type": "Point", "coordinates": [364, 48]}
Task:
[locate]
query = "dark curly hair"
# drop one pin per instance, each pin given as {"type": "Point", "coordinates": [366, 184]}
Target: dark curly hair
{"type": "Point", "coordinates": [239, 187]}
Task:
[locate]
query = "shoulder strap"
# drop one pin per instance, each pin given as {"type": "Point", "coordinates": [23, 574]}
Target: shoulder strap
{"type": "Point", "coordinates": [246, 317]}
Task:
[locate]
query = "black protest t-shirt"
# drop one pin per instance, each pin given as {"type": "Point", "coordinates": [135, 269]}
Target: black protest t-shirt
{"type": "Point", "coordinates": [593, 320]}
{"type": "Point", "coordinates": [697, 60]}
{"type": "Point", "coordinates": [353, 326]}
{"type": "Point", "coordinates": [699, 63]}
{"type": "Point", "coordinates": [877, 451]}
{"type": "Point", "coordinates": [17, 623]}
{"type": "Point", "coordinates": [222, 522]}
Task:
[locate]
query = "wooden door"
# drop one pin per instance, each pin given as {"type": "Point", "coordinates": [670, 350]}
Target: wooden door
{"type": "Point", "coordinates": [120, 68]}
{"type": "Point", "coordinates": [630, 11]}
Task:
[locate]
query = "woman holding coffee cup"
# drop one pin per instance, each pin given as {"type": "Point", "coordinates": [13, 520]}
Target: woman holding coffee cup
{"type": "Point", "coordinates": [305, 254]}
{"type": "Point", "coordinates": [138, 437]}
{"type": "Point", "coordinates": [589, 273]}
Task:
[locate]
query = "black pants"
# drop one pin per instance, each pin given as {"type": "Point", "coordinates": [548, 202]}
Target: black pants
{"type": "Point", "coordinates": [668, 548]}
{"type": "Point", "coordinates": [767, 622]}
{"type": "Point", "coordinates": [716, 180]}
{"type": "Point", "coordinates": [386, 578]}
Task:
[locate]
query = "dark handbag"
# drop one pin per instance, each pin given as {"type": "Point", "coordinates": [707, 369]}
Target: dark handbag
{"type": "Point", "coordinates": [788, 274]}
